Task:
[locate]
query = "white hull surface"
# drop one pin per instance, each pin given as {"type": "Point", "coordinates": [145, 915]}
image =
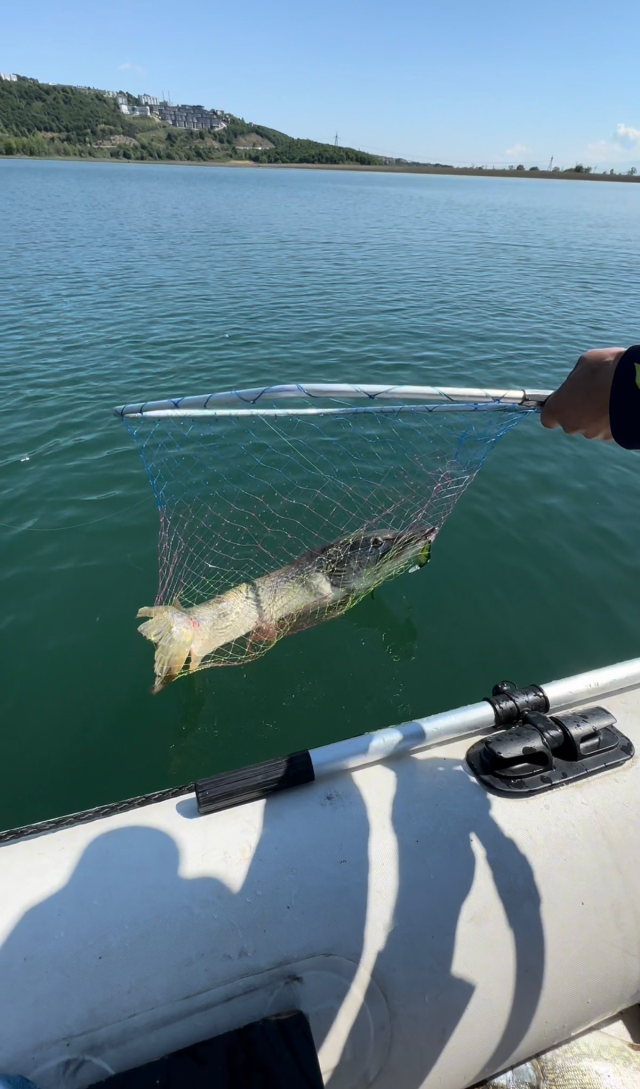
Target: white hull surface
{"type": "Point", "coordinates": [433, 933]}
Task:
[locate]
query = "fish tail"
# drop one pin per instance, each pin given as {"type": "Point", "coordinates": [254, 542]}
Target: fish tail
{"type": "Point", "coordinates": [170, 628]}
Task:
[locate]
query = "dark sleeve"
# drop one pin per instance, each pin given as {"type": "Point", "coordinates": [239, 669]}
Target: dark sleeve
{"type": "Point", "coordinates": [624, 400]}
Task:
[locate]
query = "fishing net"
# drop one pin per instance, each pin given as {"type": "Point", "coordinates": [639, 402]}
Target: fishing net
{"type": "Point", "coordinates": [281, 519]}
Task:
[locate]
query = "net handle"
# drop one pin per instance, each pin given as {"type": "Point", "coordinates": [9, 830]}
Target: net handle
{"type": "Point", "coordinates": [244, 402]}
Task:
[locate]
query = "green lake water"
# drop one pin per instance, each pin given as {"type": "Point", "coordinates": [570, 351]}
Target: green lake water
{"type": "Point", "coordinates": [123, 283]}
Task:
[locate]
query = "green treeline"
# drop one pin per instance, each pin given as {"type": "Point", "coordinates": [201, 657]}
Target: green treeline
{"type": "Point", "coordinates": [27, 107]}
{"type": "Point", "coordinates": [308, 151]}
{"type": "Point", "coordinates": [39, 120]}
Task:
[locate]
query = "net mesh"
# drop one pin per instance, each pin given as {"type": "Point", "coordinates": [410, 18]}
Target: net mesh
{"type": "Point", "coordinates": [270, 524]}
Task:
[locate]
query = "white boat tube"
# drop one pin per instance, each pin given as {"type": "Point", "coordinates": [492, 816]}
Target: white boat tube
{"type": "Point", "coordinates": [432, 933]}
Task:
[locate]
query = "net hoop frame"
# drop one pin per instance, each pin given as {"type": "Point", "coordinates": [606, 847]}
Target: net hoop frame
{"type": "Point", "coordinates": [247, 402]}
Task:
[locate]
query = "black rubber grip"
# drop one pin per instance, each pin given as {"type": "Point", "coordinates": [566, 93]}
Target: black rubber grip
{"type": "Point", "coordinates": [511, 703]}
{"type": "Point", "coordinates": [256, 781]}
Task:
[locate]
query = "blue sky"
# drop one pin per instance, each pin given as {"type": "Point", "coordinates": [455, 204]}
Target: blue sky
{"type": "Point", "coordinates": [453, 81]}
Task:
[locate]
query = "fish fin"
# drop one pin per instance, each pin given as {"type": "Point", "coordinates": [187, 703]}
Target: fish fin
{"type": "Point", "coordinates": [263, 632]}
{"type": "Point", "coordinates": [171, 631]}
{"type": "Point", "coordinates": [194, 662]}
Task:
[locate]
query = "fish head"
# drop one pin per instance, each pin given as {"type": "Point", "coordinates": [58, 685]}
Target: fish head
{"type": "Point", "coordinates": [363, 561]}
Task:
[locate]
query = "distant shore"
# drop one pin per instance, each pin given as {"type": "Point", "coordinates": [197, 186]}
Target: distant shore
{"type": "Point", "coordinates": [375, 168]}
{"type": "Point", "coordinates": [464, 171]}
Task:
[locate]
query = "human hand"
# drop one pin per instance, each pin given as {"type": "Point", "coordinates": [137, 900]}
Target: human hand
{"type": "Point", "coordinates": [580, 406]}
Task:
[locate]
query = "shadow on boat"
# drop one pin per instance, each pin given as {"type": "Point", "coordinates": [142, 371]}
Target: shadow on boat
{"type": "Point", "coordinates": [437, 866]}
{"type": "Point", "coordinates": [135, 900]}
{"type": "Point", "coordinates": [140, 937]}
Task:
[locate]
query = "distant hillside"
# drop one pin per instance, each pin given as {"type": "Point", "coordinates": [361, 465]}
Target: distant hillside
{"type": "Point", "coordinates": [38, 119]}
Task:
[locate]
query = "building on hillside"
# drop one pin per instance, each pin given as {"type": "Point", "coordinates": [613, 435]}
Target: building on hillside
{"type": "Point", "coordinates": [10, 77]}
{"type": "Point", "coordinates": [190, 117]}
{"type": "Point", "coordinates": [148, 100]}
{"type": "Point", "coordinates": [139, 111]}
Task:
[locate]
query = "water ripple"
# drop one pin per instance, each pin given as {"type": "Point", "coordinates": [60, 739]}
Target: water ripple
{"type": "Point", "coordinates": [120, 285]}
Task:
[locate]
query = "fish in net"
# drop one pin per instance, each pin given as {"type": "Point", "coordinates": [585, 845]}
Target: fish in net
{"type": "Point", "coordinates": [274, 520]}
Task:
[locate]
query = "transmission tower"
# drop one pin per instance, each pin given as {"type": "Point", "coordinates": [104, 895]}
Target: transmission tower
{"type": "Point", "coordinates": [336, 140]}
{"type": "Point", "coordinates": [550, 163]}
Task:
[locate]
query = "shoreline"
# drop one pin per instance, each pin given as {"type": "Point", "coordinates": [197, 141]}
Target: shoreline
{"type": "Point", "coordinates": [454, 171]}
{"type": "Point", "coordinates": [382, 168]}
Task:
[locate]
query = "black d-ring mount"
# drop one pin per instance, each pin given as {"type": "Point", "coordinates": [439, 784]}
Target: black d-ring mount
{"type": "Point", "coordinates": [538, 751]}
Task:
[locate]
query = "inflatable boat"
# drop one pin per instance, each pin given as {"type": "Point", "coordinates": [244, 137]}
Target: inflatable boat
{"type": "Point", "coordinates": [441, 899]}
